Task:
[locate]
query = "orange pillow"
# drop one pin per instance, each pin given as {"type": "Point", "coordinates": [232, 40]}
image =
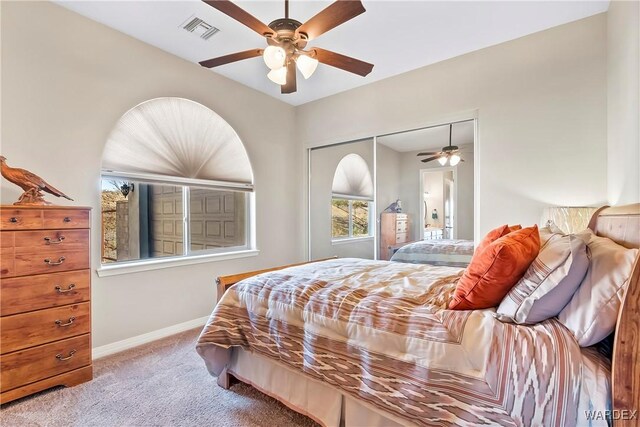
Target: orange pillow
{"type": "Point", "coordinates": [494, 235]}
{"type": "Point", "coordinates": [492, 273]}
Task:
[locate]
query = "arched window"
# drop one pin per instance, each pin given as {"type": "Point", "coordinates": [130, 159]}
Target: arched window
{"type": "Point", "coordinates": [176, 182]}
{"type": "Point", "coordinates": [352, 193]}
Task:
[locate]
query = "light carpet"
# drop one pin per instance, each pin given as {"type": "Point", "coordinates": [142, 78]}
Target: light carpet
{"type": "Point", "coordinates": [163, 383]}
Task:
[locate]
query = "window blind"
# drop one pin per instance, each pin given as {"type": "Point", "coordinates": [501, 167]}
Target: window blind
{"type": "Point", "coordinates": [352, 179]}
{"type": "Point", "coordinates": [177, 138]}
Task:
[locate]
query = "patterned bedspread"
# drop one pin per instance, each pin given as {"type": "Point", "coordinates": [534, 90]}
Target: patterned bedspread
{"type": "Point", "coordinates": [453, 253]}
{"type": "Point", "coordinates": [378, 331]}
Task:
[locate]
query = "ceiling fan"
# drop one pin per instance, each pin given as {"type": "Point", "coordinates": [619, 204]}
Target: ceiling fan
{"type": "Point", "coordinates": [287, 39]}
{"type": "Point", "coordinates": [450, 153]}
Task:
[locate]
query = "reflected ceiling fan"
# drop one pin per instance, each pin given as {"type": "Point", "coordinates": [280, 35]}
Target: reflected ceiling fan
{"type": "Point", "coordinates": [450, 153]}
{"type": "Point", "coordinates": [287, 39]}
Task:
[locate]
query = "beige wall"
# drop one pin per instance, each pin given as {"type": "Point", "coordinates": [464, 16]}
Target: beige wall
{"type": "Point", "coordinates": [388, 189]}
{"type": "Point", "coordinates": [541, 107]}
{"type": "Point", "coordinates": [623, 102]}
{"type": "Point", "coordinates": [65, 82]}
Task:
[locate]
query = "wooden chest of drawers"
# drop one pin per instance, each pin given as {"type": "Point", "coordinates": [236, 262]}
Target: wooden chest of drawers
{"type": "Point", "coordinates": [394, 229]}
{"type": "Point", "coordinates": [45, 299]}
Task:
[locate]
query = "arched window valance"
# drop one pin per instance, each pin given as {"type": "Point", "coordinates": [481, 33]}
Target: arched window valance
{"type": "Point", "coordinates": [352, 179]}
{"type": "Point", "coordinates": [180, 139]}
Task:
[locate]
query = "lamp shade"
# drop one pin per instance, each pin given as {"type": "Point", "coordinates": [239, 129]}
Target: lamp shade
{"type": "Point", "coordinates": [306, 65]}
{"type": "Point", "coordinates": [442, 160]}
{"type": "Point", "coordinates": [568, 219]}
{"type": "Point", "coordinates": [274, 57]}
{"type": "Point", "coordinates": [278, 76]}
{"type": "Point", "coordinates": [454, 160]}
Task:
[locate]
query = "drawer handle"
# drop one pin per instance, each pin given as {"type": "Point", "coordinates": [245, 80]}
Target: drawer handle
{"type": "Point", "coordinates": [49, 262]}
{"type": "Point", "coordinates": [13, 219]}
{"type": "Point", "coordinates": [62, 358]}
{"type": "Point", "coordinates": [62, 291]}
{"type": "Point", "coordinates": [69, 323]}
{"type": "Point", "coordinates": [50, 241]}
{"type": "Point", "coordinates": [67, 219]}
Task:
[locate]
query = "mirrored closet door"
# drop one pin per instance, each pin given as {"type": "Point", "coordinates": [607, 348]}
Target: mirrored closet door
{"type": "Point", "coordinates": [341, 195]}
{"type": "Point", "coordinates": [425, 186]}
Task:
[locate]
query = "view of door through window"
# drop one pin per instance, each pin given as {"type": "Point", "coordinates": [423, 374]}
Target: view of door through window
{"type": "Point", "coordinates": [142, 220]}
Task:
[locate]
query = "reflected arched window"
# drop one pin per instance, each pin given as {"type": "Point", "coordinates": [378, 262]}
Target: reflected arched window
{"type": "Point", "coordinates": [176, 181]}
{"type": "Point", "coordinates": [352, 194]}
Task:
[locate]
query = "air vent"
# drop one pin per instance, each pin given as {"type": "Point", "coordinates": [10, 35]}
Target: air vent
{"type": "Point", "coordinates": [197, 26]}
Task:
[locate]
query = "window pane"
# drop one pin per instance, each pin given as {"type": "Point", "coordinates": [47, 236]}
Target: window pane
{"type": "Point", "coordinates": [140, 221]}
{"type": "Point", "coordinates": [360, 212]}
{"type": "Point", "coordinates": [340, 218]}
{"type": "Point", "coordinates": [218, 219]}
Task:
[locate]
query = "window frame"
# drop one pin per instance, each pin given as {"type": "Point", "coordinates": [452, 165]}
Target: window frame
{"type": "Point", "coordinates": [351, 237]}
{"type": "Point", "coordinates": [188, 257]}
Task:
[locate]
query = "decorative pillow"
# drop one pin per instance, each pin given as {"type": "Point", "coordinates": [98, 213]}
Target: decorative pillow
{"type": "Point", "coordinates": [592, 312]}
{"type": "Point", "coordinates": [494, 271]}
{"type": "Point", "coordinates": [549, 231]}
{"type": "Point", "coordinates": [549, 283]}
{"type": "Point", "coordinates": [494, 235]}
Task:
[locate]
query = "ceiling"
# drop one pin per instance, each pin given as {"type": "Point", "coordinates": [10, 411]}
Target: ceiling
{"type": "Point", "coordinates": [396, 36]}
{"type": "Point", "coordinates": [433, 138]}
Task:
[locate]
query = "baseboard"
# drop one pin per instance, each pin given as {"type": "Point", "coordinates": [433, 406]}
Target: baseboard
{"type": "Point", "coordinates": [118, 346]}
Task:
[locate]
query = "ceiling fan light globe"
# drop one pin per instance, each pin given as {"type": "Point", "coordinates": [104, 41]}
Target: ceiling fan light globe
{"type": "Point", "coordinates": [274, 57]}
{"type": "Point", "coordinates": [307, 65]}
{"type": "Point", "coordinates": [278, 76]}
{"type": "Point", "coordinates": [442, 160]}
{"type": "Point", "coordinates": [454, 160]}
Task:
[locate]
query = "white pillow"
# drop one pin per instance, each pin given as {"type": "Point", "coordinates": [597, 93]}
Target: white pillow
{"type": "Point", "coordinates": [549, 283]}
{"type": "Point", "coordinates": [593, 311]}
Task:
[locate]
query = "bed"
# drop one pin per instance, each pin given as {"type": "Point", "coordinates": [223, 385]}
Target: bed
{"type": "Point", "coordinates": [357, 342]}
{"type": "Point", "coordinates": [447, 252]}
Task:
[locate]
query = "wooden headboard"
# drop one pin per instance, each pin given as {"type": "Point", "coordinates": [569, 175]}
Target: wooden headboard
{"type": "Point", "coordinates": [622, 225]}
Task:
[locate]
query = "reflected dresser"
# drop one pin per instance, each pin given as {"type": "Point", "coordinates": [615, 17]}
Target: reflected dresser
{"type": "Point", "coordinates": [394, 229]}
{"type": "Point", "coordinates": [45, 293]}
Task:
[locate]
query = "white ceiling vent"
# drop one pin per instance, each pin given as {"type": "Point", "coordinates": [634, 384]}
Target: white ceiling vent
{"type": "Point", "coordinates": [197, 26]}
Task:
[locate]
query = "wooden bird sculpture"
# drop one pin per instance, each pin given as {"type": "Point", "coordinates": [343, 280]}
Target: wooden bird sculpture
{"type": "Point", "coordinates": [31, 184]}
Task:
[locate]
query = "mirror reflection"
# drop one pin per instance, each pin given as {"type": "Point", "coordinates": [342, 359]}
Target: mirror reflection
{"type": "Point", "coordinates": [425, 195]}
{"type": "Point", "coordinates": [341, 195]}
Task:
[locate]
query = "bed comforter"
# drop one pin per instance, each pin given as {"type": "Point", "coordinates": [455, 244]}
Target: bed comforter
{"type": "Point", "coordinates": [379, 331]}
{"type": "Point", "coordinates": [452, 253]}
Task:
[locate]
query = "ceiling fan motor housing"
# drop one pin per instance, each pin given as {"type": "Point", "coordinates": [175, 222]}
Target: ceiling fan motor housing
{"type": "Point", "coordinates": [285, 32]}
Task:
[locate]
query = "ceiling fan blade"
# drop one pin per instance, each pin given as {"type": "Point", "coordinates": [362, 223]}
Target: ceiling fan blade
{"type": "Point", "coordinates": [240, 15]}
{"type": "Point", "coordinates": [430, 159]}
{"type": "Point", "coordinates": [343, 62]}
{"type": "Point", "coordinates": [428, 154]}
{"type": "Point", "coordinates": [238, 56]}
{"type": "Point", "coordinates": [333, 15]}
{"type": "Point", "coordinates": [290, 86]}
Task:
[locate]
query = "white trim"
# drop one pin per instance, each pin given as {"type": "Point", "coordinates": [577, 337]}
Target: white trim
{"type": "Point", "coordinates": [477, 163]}
{"type": "Point", "coordinates": [174, 180]}
{"type": "Point", "coordinates": [373, 213]}
{"type": "Point", "coordinates": [126, 344]}
{"type": "Point", "coordinates": [158, 263]}
{"type": "Point", "coordinates": [351, 240]}
{"type": "Point", "coordinates": [308, 212]}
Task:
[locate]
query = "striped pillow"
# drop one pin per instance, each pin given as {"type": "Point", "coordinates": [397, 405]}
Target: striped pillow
{"type": "Point", "coordinates": [549, 282]}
